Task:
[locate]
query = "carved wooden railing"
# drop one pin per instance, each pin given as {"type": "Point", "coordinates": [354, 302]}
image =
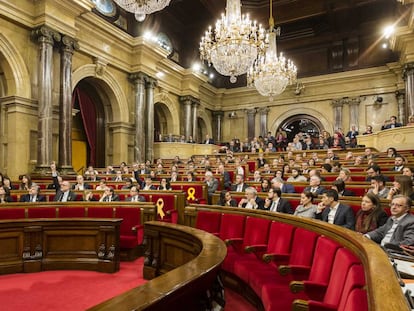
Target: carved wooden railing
{"type": "Point", "coordinates": [184, 263]}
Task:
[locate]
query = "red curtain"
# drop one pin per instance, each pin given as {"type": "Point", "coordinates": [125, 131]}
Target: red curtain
{"type": "Point", "coordinates": [88, 113]}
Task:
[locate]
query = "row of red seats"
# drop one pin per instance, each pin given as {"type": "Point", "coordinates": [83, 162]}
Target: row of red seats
{"type": "Point", "coordinates": [276, 259]}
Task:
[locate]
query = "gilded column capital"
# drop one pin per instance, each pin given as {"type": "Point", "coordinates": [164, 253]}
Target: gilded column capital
{"type": "Point", "coordinates": [69, 44]}
{"type": "Point", "coordinates": [251, 112]}
{"type": "Point", "coordinates": [45, 34]}
{"type": "Point", "coordinates": [218, 113]}
{"type": "Point", "coordinates": [150, 82]}
{"type": "Point", "coordinates": [263, 111]}
{"type": "Point", "coordinates": [354, 101]}
{"type": "Point", "coordinates": [188, 99]}
{"type": "Point", "coordinates": [339, 102]}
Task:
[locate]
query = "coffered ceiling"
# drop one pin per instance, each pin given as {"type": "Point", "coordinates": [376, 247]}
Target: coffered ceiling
{"type": "Point", "coordinates": [320, 36]}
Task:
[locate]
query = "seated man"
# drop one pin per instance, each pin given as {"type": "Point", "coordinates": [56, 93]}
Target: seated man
{"type": "Point", "coordinates": [212, 185]}
{"type": "Point", "coordinates": [239, 185]}
{"type": "Point", "coordinates": [315, 185]}
{"type": "Point", "coordinates": [398, 163]}
{"type": "Point", "coordinates": [278, 182]}
{"type": "Point", "coordinates": [134, 195]}
{"type": "Point", "coordinates": [65, 194]}
{"type": "Point", "coordinates": [109, 195]}
{"type": "Point", "coordinates": [333, 212]}
{"type": "Point", "coordinates": [378, 187]}
{"type": "Point", "coordinates": [275, 203]}
{"type": "Point", "coordinates": [80, 184]}
{"type": "Point", "coordinates": [391, 123]}
{"type": "Point", "coordinates": [251, 201]}
{"type": "Point", "coordinates": [399, 228]}
{"type": "Point", "coordinates": [33, 195]}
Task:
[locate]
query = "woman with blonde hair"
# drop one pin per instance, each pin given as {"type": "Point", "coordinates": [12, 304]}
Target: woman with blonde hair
{"type": "Point", "coordinates": [402, 185]}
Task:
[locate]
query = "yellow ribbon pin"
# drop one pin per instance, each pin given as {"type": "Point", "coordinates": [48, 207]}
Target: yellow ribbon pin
{"type": "Point", "coordinates": [160, 206]}
{"type": "Point", "coordinates": [191, 192]}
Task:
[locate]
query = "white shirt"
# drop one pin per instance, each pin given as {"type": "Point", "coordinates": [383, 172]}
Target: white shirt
{"type": "Point", "coordinates": [273, 206]}
{"type": "Point", "coordinates": [332, 213]}
{"type": "Point", "coordinates": [388, 235]}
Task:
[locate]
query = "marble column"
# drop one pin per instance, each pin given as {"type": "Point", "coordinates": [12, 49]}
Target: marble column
{"type": "Point", "coordinates": [337, 105]}
{"type": "Point", "coordinates": [46, 37]}
{"type": "Point", "coordinates": [150, 84]}
{"type": "Point", "coordinates": [408, 75]}
{"type": "Point", "coordinates": [354, 112]}
{"type": "Point", "coordinates": [188, 128]}
{"type": "Point", "coordinates": [263, 120]}
{"type": "Point", "coordinates": [218, 120]}
{"type": "Point", "coordinates": [65, 105]}
{"type": "Point", "coordinates": [138, 79]}
{"type": "Point", "coordinates": [402, 115]}
{"type": "Point", "coordinates": [195, 105]}
{"type": "Point", "coordinates": [251, 123]}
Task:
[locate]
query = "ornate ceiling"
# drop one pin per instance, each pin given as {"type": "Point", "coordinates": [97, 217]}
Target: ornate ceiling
{"type": "Point", "coordinates": [320, 36]}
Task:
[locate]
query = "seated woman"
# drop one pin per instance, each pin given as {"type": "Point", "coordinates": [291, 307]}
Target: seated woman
{"type": "Point", "coordinates": [371, 215]}
{"type": "Point", "coordinates": [227, 200]}
{"type": "Point", "coordinates": [306, 208]}
{"type": "Point", "coordinates": [265, 185]}
{"type": "Point", "coordinates": [5, 196]}
{"type": "Point", "coordinates": [164, 184]}
{"type": "Point", "coordinates": [402, 185]}
{"type": "Point", "coordinates": [26, 182]}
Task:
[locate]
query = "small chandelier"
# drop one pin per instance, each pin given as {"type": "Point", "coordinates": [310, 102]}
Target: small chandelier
{"type": "Point", "coordinates": [271, 74]}
{"type": "Point", "coordinates": [234, 44]}
{"type": "Point", "coordinates": [141, 8]}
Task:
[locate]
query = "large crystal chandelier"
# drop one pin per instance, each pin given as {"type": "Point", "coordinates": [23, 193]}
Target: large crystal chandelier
{"type": "Point", "coordinates": [141, 8]}
{"type": "Point", "coordinates": [271, 74]}
{"type": "Point", "coordinates": [234, 43]}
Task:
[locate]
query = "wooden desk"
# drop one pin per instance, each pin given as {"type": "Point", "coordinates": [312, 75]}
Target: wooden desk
{"type": "Point", "coordinates": [34, 245]}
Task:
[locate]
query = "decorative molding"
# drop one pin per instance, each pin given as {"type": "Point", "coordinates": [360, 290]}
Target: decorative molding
{"type": "Point", "coordinates": [100, 66]}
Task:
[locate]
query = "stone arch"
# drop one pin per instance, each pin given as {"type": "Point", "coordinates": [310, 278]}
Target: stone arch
{"type": "Point", "coordinates": [325, 124]}
{"type": "Point", "coordinates": [204, 125]}
{"type": "Point", "coordinates": [15, 70]}
{"type": "Point", "coordinates": [167, 113]}
{"type": "Point", "coordinates": [109, 85]}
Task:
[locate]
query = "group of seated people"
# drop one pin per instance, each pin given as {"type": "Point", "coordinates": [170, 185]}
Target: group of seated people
{"type": "Point", "coordinates": [273, 179]}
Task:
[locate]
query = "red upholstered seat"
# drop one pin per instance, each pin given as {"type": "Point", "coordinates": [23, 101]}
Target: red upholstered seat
{"type": "Point", "coordinates": [279, 243]}
{"type": "Point", "coordinates": [343, 262]}
{"type": "Point", "coordinates": [12, 213]}
{"type": "Point", "coordinates": [41, 212]}
{"type": "Point", "coordinates": [71, 212]}
{"type": "Point", "coordinates": [166, 209]}
{"type": "Point", "coordinates": [299, 188]}
{"type": "Point", "coordinates": [300, 259]}
{"type": "Point", "coordinates": [232, 226]}
{"type": "Point", "coordinates": [208, 221]}
{"type": "Point", "coordinates": [100, 212]}
{"type": "Point", "coordinates": [132, 232]}
{"type": "Point", "coordinates": [319, 275]}
{"type": "Point", "coordinates": [255, 233]}
{"type": "Point", "coordinates": [198, 196]}
{"type": "Point", "coordinates": [357, 300]}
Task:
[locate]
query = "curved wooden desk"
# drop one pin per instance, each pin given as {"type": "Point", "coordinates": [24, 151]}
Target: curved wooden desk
{"type": "Point", "coordinates": [34, 245]}
{"type": "Point", "coordinates": [187, 261]}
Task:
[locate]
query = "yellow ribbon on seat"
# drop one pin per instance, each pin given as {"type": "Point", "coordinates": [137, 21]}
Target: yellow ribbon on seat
{"type": "Point", "coordinates": [160, 206]}
{"type": "Point", "coordinates": [191, 192]}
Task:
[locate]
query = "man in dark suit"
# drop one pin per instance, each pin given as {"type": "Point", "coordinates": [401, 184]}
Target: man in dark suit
{"type": "Point", "coordinates": [275, 203]}
{"type": "Point", "coordinates": [251, 201]}
{"type": "Point", "coordinates": [315, 185]}
{"type": "Point", "coordinates": [109, 195]}
{"type": "Point", "coordinates": [278, 182]}
{"type": "Point", "coordinates": [212, 185]}
{"type": "Point", "coordinates": [239, 185]}
{"type": "Point", "coordinates": [65, 194]}
{"type": "Point", "coordinates": [80, 185]}
{"type": "Point", "coordinates": [399, 228]}
{"type": "Point", "coordinates": [33, 195]}
{"type": "Point", "coordinates": [392, 123]}
{"type": "Point", "coordinates": [134, 195]}
{"type": "Point", "coordinates": [208, 140]}
{"type": "Point", "coordinates": [226, 176]}
{"type": "Point", "coordinates": [333, 212]}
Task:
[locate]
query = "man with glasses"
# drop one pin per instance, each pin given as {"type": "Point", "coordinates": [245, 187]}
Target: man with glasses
{"type": "Point", "coordinates": [399, 228]}
{"type": "Point", "coordinates": [65, 194]}
{"type": "Point", "coordinates": [134, 195]}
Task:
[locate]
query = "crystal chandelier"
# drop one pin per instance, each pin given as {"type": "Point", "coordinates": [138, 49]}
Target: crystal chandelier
{"type": "Point", "coordinates": [141, 8]}
{"type": "Point", "coordinates": [271, 74]}
{"type": "Point", "coordinates": [234, 44]}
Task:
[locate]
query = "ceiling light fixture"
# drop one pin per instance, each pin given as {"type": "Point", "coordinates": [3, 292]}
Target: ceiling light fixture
{"type": "Point", "coordinates": [271, 74]}
{"type": "Point", "coordinates": [234, 43]}
{"type": "Point", "coordinates": [142, 8]}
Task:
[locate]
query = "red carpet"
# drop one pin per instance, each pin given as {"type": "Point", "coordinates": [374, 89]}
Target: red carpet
{"type": "Point", "coordinates": [66, 290]}
{"type": "Point", "coordinates": [79, 290]}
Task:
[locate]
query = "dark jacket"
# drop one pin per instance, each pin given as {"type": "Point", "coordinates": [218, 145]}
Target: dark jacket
{"type": "Point", "coordinates": [344, 216]}
{"type": "Point", "coordinates": [259, 201]}
{"type": "Point", "coordinates": [59, 195]}
{"type": "Point", "coordinates": [26, 198]}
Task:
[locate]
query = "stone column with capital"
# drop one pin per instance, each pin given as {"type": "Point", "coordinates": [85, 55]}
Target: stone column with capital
{"type": "Point", "coordinates": [138, 79]}
{"type": "Point", "coordinates": [251, 123]}
{"type": "Point", "coordinates": [46, 37]}
{"type": "Point", "coordinates": [263, 120]}
{"type": "Point", "coordinates": [150, 84]}
{"type": "Point", "coordinates": [354, 112]}
{"type": "Point", "coordinates": [402, 115]}
{"type": "Point", "coordinates": [408, 75]}
{"type": "Point", "coordinates": [65, 105]}
{"type": "Point", "coordinates": [218, 119]}
{"type": "Point", "coordinates": [195, 105]}
{"type": "Point", "coordinates": [337, 105]}
{"type": "Point", "coordinates": [188, 128]}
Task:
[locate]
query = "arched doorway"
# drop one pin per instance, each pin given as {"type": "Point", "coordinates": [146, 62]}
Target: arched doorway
{"type": "Point", "coordinates": [88, 127]}
{"type": "Point", "coordinates": [202, 130]}
{"type": "Point", "coordinates": [301, 123]}
{"type": "Point", "coordinates": [163, 122]}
